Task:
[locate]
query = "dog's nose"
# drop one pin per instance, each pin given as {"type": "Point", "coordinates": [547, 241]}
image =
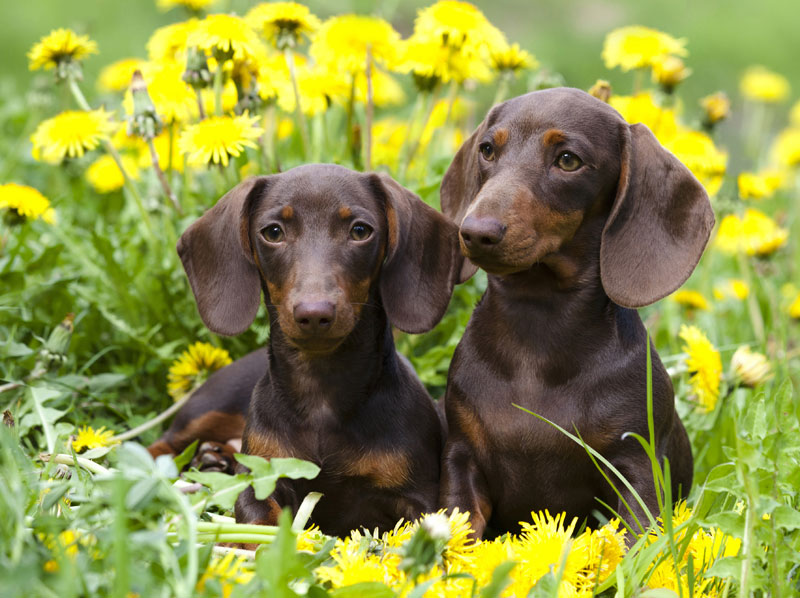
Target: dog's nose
{"type": "Point", "coordinates": [314, 316]}
{"type": "Point", "coordinates": [477, 233]}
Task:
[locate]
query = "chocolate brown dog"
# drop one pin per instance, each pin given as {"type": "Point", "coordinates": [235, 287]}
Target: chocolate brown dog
{"type": "Point", "coordinates": [339, 256]}
{"type": "Point", "coordinates": [577, 217]}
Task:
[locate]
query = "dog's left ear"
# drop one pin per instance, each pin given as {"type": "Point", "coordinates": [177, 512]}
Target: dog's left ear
{"type": "Point", "coordinates": [658, 226]}
{"type": "Point", "coordinates": [423, 259]}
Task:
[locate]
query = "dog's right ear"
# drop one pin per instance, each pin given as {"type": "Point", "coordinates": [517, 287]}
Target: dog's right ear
{"type": "Point", "coordinates": [460, 186]}
{"type": "Point", "coordinates": [216, 255]}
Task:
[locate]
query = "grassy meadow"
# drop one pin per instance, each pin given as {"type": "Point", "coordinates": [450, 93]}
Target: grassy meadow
{"type": "Point", "coordinates": [100, 336]}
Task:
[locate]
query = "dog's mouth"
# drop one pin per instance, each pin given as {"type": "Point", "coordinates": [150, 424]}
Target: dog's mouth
{"type": "Point", "coordinates": [500, 263]}
{"type": "Point", "coordinates": [316, 345]}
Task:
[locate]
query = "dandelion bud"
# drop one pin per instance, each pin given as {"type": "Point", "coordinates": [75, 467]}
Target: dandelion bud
{"type": "Point", "coordinates": [54, 352]}
{"type": "Point", "coordinates": [601, 90]}
{"type": "Point", "coordinates": [145, 121]}
{"type": "Point", "coordinates": [424, 550]}
{"type": "Point", "coordinates": [717, 107]}
{"type": "Point", "coordinates": [197, 73]}
{"type": "Point", "coordinates": [749, 368]}
{"type": "Point", "coordinates": [669, 71]}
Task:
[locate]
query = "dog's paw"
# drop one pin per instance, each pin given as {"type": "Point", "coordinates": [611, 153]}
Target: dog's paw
{"type": "Point", "coordinates": [214, 456]}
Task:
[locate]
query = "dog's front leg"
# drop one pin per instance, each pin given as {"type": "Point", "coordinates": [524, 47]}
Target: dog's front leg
{"type": "Point", "coordinates": [463, 485]}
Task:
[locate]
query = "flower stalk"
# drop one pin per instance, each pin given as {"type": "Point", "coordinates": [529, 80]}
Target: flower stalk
{"type": "Point", "coordinates": [298, 109]}
{"type": "Point", "coordinates": [370, 110]}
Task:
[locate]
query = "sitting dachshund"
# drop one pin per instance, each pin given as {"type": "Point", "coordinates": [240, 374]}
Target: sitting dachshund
{"type": "Point", "coordinates": [578, 218]}
{"type": "Point", "coordinates": [339, 256]}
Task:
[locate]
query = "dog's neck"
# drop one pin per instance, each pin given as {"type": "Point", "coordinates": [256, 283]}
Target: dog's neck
{"type": "Point", "coordinates": [557, 302]}
{"type": "Point", "coordinates": [338, 381]}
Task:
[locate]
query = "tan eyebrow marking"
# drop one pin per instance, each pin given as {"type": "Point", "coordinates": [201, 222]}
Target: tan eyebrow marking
{"type": "Point", "coordinates": [553, 137]}
{"type": "Point", "coordinates": [287, 212]}
{"type": "Point", "coordinates": [500, 137]}
{"type": "Point", "coordinates": [345, 212]}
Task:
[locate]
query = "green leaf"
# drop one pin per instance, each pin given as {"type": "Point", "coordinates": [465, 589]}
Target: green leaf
{"type": "Point", "coordinates": [186, 456]}
{"type": "Point", "coordinates": [501, 577]}
{"type": "Point", "coordinates": [658, 593]}
{"type": "Point", "coordinates": [786, 517]}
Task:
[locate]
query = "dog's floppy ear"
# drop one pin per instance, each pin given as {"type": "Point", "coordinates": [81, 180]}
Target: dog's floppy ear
{"type": "Point", "coordinates": [423, 259]}
{"type": "Point", "coordinates": [658, 226]}
{"type": "Point", "coordinates": [215, 251]}
{"type": "Point", "coordinates": [460, 185]}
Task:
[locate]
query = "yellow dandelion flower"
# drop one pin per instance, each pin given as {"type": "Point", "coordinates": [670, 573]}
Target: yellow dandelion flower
{"type": "Point", "coordinates": [668, 71]}
{"type": "Point", "coordinates": [28, 202]}
{"type": "Point", "coordinates": [487, 555]}
{"type": "Point", "coordinates": [786, 148]}
{"type": "Point", "coordinates": [342, 43]}
{"type": "Point", "coordinates": [175, 100]}
{"type": "Point", "coordinates": [601, 90]}
{"type": "Point", "coordinates": [762, 85]}
{"type": "Point", "coordinates": [750, 368]}
{"type": "Point", "coordinates": [794, 307]}
{"type": "Point", "coordinates": [311, 539]}
{"type": "Point", "coordinates": [58, 46]}
{"type": "Point", "coordinates": [512, 59]}
{"type": "Point", "coordinates": [122, 141]}
{"type": "Point", "coordinates": [636, 47]}
{"type": "Point", "coordinates": [705, 365]}
{"type": "Point", "coordinates": [428, 59]}
{"type": "Point", "coordinates": [605, 548]}
{"type": "Point", "coordinates": [698, 152]}
{"type": "Point", "coordinates": [459, 25]}
{"type": "Point", "coordinates": [717, 107]}
{"type": "Point", "coordinates": [282, 23]}
{"type": "Point", "coordinates": [691, 299]}
{"type": "Point", "coordinates": [541, 546]}
{"type": "Point", "coordinates": [758, 185]}
{"type": "Point", "coordinates": [457, 551]}
{"type": "Point", "coordinates": [168, 43]}
{"type": "Point", "coordinates": [755, 234]}
{"type": "Point", "coordinates": [352, 565]}
{"type": "Point", "coordinates": [319, 88]}
{"type": "Point", "coordinates": [229, 571]}
{"type": "Point", "coordinates": [734, 288]}
{"type": "Point", "coordinates": [215, 140]}
{"type": "Point", "coordinates": [195, 5]}
{"type": "Point", "coordinates": [105, 176]}
{"type": "Point", "coordinates": [117, 75]}
{"type": "Point", "coordinates": [71, 134]}
{"type": "Point", "coordinates": [89, 438]}
{"type": "Point", "coordinates": [192, 368]}
{"type": "Point", "coordinates": [642, 108]}
{"type": "Point", "coordinates": [226, 37]}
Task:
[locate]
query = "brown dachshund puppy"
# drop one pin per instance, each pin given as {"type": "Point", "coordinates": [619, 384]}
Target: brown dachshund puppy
{"type": "Point", "coordinates": [577, 218]}
{"type": "Point", "coordinates": [339, 256]}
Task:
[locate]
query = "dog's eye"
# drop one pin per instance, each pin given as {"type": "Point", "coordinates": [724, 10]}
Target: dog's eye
{"type": "Point", "coordinates": [272, 233]}
{"type": "Point", "coordinates": [568, 161]}
{"type": "Point", "coordinates": [487, 151]}
{"type": "Point", "coordinates": [360, 231]}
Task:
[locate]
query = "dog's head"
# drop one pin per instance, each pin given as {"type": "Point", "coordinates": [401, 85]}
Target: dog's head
{"type": "Point", "coordinates": [328, 243]}
{"type": "Point", "coordinates": [545, 164]}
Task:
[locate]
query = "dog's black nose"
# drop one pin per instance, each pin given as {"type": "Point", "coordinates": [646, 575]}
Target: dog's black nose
{"type": "Point", "coordinates": [478, 233]}
{"type": "Point", "coordinates": [314, 316]}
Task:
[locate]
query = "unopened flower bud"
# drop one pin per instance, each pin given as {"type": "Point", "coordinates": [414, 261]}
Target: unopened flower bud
{"type": "Point", "coordinates": [749, 368]}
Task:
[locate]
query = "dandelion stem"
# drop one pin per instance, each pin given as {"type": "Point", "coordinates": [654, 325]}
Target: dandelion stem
{"type": "Point", "coordinates": [298, 109]}
{"type": "Point", "coordinates": [162, 179]}
{"type": "Point", "coordinates": [502, 89]}
{"type": "Point", "coordinates": [370, 107]}
{"type": "Point", "coordinates": [418, 137]}
{"type": "Point", "coordinates": [80, 99]}
{"type": "Point", "coordinates": [201, 111]}
{"type": "Point", "coordinates": [756, 319]}
{"type": "Point", "coordinates": [151, 423]}
{"type": "Point", "coordinates": [87, 464]}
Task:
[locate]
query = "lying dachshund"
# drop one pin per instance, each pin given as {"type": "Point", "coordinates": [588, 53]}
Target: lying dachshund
{"type": "Point", "coordinates": [577, 218]}
{"type": "Point", "coordinates": [339, 256]}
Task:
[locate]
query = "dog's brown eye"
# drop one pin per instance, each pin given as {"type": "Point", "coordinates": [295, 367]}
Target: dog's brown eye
{"type": "Point", "coordinates": [272, 233]}
{"type": "Point", "coordinates": [487, 151]}
{"type": "Point", "coordinates": [360, 231]}
{"type": "Point", "coordinates": [569, 161]}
